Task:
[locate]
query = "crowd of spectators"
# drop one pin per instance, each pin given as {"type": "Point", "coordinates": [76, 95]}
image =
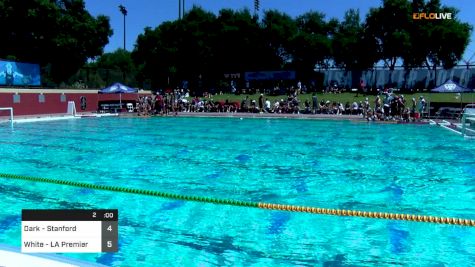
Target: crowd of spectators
{"type": "Point", "coordinates": [386, 106]}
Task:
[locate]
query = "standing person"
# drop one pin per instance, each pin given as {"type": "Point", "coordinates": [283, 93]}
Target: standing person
{"type": "Point", "coordinates": [362, 85]}
{"type": "Point", "coordinates": [173, 102]}
{"type": "Point", "coordinates": [167, 103]}
{"type": "Point", "coordinates": [158, 105]}
{"type": "Point", "coordinates": [261, 103]}
{"type": "Point", "coordinates": [244, 104]}
{"type": "Point", "coordinates": [413, 108]}
{"type": "Point", "coordinates": [366, 107]}
{"type": "Point", "coordinates": [377, 103]}
{"type": "Point", "coordinates": [401, 106]}
{"type": "Point", "coordinates": [422, 105]}
{"type": "Point", "coordinates": [267, 106]}
{"type": "Point", "coordinates": [314, 103]}
{"type": "Point", "coordinates": [139, 106]}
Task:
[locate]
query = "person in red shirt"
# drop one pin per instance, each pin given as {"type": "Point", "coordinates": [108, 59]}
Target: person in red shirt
{"type": "Point", "coordinates": [362, 86]}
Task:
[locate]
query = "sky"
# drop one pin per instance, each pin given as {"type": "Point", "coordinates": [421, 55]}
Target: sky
{"type": "Point", "coordinates": [151, 13]}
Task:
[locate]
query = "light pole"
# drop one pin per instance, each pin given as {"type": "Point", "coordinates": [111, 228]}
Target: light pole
{"type": "Point", "coordinates": [256, 7]}
{"type": "Point", "coordinates": [181, 9]}
{"type": "Point", "coordinates": [124, 12]}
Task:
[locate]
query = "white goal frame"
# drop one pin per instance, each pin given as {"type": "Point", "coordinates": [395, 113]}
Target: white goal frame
{"type": "Point", "coordinates": [468, 123]}
{"type": "Point", "coordinates": [11, 114]}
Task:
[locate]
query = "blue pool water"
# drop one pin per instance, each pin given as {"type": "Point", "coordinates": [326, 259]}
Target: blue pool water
{"type": "Point", "coordinates": [417, 169]}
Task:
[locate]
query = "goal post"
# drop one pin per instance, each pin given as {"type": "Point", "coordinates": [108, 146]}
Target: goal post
{"type": "Point", "coordinates": [468, 124]}
{"type": "Point", "coordinates": [71, 108]}
{"type": "Point", "coordinates": [11, 114]}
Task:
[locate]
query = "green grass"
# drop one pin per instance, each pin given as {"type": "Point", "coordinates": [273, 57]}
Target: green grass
{"type": "Point", "coordinates": [351, 97]}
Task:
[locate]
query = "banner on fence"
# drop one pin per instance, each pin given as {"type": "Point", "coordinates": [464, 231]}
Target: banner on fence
{"type": "Point", "coordinates": [270, 75]}
{"type": "Point", "coordinates": [400, 78]}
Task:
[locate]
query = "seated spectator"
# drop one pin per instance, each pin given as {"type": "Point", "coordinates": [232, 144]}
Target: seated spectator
{"type": "Point", "coordinates": [406, 115]}
{"type": "Point", "coordinates": [341, 109]}
{"type": "Point", "coordinates": [307, 107]}
{"type": "Point", "coordinates": [277, 107]}
{"type": "Point", "coordinates": [354, 108]}
{"type": "Point", "coordinates": [322, 107]}
{"type": "Point", "coordinates": [347, 108]}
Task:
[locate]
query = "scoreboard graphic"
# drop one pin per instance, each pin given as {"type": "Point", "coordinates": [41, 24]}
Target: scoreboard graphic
{"type": "Point", "coordinates": [64, 231]}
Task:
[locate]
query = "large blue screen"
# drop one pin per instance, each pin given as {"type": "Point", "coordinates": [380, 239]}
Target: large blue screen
{"type": "Point", "coordinates": [19, 74]}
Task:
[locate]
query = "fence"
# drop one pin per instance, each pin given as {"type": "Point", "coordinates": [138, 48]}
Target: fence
{"type": "Point", "coordinates": [378, 77]}
{"type": "Point", "coordinates": [400, 78]}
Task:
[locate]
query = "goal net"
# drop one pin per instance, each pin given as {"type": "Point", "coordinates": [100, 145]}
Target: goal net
{"type": "Point", "coordinates": [6, 115]}
{"type": "Point", "coordinates": [468, 125]}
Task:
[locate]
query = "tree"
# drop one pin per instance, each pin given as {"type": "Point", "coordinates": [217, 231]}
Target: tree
{"type": "Point", "coordinates": [389, 26]}
{"type": "Point", "coordinates": [437, 42]}
{"type": "Point", "coordinates": [240, 43]}
{"type": "Point", "coordinates": [59, 35]}
{"type": "Point", "coordinates": [311, 45]}
{"type": "Point", "coordinates": [417, 42]}
{"type": "Point", "coordinates": [279, 29]}
{"type": "Point", "coordinates": [205, 45]}
{"type": "Point", "coordinates": [202, 45]}
{"type": "Point", "coordinates": [120, 62]}
{"type": "Point", "coordinates": [352, 48]}
{"type": "Point", "coordinates": [156, 52]}
{"type": "Point", "coordinates": [195, 36]}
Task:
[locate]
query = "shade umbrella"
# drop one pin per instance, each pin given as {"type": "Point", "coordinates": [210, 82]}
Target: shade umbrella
{"type": "Point", "coordinates": [118, 88]}
{"type": "Point", "coordinates": [452, 87]}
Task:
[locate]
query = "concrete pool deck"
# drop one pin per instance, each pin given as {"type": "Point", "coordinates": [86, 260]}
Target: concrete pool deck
{"type": "Point", "coordinates": [65, 116]}
{"type": "Point", "coordinates": [52, 117]}
{"type": "Point", "coordinates": [12, 257]}
{"type": "Point", "coordinates": [254, 115]}
{"type": "Point", "coordinates": [270, 116]}
{"type": "Point", "coordinates": [354, 118]}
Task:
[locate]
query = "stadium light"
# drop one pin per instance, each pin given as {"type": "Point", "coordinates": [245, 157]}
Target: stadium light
{"type": "Point", "coordinates": [256, 6]}
{"type": "Point", "coordinates": [124, 12]}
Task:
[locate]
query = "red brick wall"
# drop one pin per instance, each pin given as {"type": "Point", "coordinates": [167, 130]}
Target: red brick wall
{"type": "Point", "coordinates": [30, 105]}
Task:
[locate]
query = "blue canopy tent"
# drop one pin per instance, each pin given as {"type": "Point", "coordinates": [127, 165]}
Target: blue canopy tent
{"type": "Point", "coordinates": [118, 88]}
{"type": "Point", "coordinates": [452, 87]}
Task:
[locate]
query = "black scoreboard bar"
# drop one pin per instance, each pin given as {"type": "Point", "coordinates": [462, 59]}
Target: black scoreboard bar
{"type": "Point", "coordinates": [70, 215]}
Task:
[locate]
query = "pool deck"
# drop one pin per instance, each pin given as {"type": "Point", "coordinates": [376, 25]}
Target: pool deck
{"type": "Point", "coordinates": [65, 116]}
{"type": "Point", "coordinates": [11, 256]}
{"type": "Point", "coordinates": [355, 118]}
{"type": "Point", "coordinates": [270, 116]}
{"type": "Point", "coordinates": [51, 117]}
{"type": "Point", "coordinates": [254, 115]}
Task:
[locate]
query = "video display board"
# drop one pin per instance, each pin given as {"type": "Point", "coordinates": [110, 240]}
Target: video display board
{"type": "Point", "coordinates": [19, 74]}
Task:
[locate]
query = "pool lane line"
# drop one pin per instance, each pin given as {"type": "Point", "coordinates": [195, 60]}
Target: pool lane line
{"type": "Point", "coordinates": [261, 205]}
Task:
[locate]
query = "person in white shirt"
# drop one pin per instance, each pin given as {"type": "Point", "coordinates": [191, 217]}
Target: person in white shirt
{"type": "Point", "coordinates": [267, 106]}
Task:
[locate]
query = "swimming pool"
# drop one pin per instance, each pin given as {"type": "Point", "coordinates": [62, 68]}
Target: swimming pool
{"type": "Point", "coordinates": [417, 169]}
